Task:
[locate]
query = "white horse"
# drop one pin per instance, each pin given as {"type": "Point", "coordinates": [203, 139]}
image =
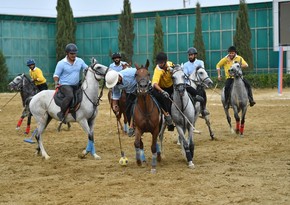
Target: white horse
{"type": "Point", "coordinates": [43, 109]}
{"type": "Point", "coordinates": [238, 99]}
{"type": "Point", "coordinates": [183, 114]}
{"type": "Point", "coordinates": [198, 80]}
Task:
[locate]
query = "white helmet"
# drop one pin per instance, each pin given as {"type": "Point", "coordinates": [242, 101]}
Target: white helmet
{"type": "Point", "coordinates": [111, 78]}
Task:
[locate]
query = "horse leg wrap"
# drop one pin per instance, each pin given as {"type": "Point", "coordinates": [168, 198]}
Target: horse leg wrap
{"type": "Point", "coordinates": [19, 122]}
{"type": "Point", "coordinates": [188, 155]}
{"type": "Point", "coordinates": [27, 129]}
{"type": "Point", "coordinates": [157, 148]}
{"type": "Point", "coordinates": [142, 155]}
{"type": "Point", "coordinates": [242, 129]}
{"type": "Point", "coordinates": [154, 160]}
{"type": "Point", "coordinates": [91, 147]}
{"type": "Point", "coordinates": [138, 154]}
{"type": "Point", "coordinates": [237, 126]}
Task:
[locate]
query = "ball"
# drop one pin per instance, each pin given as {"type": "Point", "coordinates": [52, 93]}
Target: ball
{"type": "Point", "coordinates": [123, 161]}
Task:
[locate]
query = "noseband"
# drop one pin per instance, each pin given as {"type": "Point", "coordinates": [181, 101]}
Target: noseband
{"type": "Point", "coordinates": [143, 85]}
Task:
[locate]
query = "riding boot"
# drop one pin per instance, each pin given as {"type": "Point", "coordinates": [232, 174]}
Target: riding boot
{"type": "Point", "coordinates": [250, 96]}
{"type": "Point", "coordinates": [204, 112]}
{"type": "Point", "coordinates": [226, 100]}
{"type": "Point", "coordinates": [169, 123]}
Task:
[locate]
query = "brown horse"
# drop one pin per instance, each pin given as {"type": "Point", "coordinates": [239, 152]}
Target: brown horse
{"type": "Point", "coordinates": [122, 110]}
{"type": "Point", "coordinates": [146, 116]}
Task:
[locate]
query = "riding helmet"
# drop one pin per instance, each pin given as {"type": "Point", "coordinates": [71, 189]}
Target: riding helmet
{"type": "Point", "coordinates": [116, 55]}
{"type": "Point", "coordinates": [161, 57]}
{"type": "Point", "coordinates": [111, 78]}
{"type": "Point", "coordinates": [30, 62]}
{"type": "Point", "coordinates": [232, 49]}
{"type": "Point", "coordinates": [192, 50]}
{"type": "Point", "coordinates": [71, 48]}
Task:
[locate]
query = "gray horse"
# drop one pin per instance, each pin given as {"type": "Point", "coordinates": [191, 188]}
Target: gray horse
{"type": "Point", "coordinates": [43, 108]}
{"type": "Point", "coordinates": [238, 99]}
{"type": "Point", "coordinates": [183, 114]}
{"type": "Point", "coordinates": [198, 80]}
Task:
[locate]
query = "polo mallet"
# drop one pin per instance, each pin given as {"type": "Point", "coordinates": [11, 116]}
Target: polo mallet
{"type": "Point", "coordinates": [123, 160]}
{"type": "Point", "coordinates": [194, 130]}
{"type": "Point", "coordinates": [30, 140]}
{"type": "Point", "coordinates": [8, 101]}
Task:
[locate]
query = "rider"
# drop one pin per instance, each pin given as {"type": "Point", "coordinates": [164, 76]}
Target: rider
{"type": "Point", "coordinates": [123, 80]}
{"type": "Point", "coordinates": [190, 67]}
{"type": "Point", "coordinates": [67, 76]}
{"type": "Point", "coordinates": [36, 75]}
{"type": "Point", "coordinates": [117, 65]}
{"type": "Point", "coordinates": [226, 62]}
{"type": "Point", "coordinates": [163, 86]}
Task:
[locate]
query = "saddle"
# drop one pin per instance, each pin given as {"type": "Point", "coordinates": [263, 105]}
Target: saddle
{"type": "Point", "coordinates": [75, 103]}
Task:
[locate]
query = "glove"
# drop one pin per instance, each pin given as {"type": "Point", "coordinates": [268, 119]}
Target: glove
{"type": "Point", "coordinates": [165, 94]}
{"type": "Point", "coordinates": [56, 85]}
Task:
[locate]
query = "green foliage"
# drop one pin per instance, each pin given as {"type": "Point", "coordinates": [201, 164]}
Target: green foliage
{"type": "Point", "coordinates": [65, 27]}
{"type": "Point", "coordinates": [242, 38]}
{"type": "Point", "coordinates": [3, 73]}
{"type": "Point", "coordinates": [260, 80]}
{"type": "Point", "coordinates": [126, 32]}
{"type": "Point", "coordinates": [158, 45]}
{"type": "Point", "coordinates": [198, 40]}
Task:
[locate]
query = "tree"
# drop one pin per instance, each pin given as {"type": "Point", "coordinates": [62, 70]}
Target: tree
{"type": "Point", "coordinates": [65, 27]}
{"type": "Point", "coordinates": [126, 32]}
{"type": "Point", "coordinates": [158, 45]}
{"type": "Point", "coordinates": [198, 40]}
{"type": "Point", "coordinates": [242, 38]}
{"type": "Point", "coordinates": [3, 72]}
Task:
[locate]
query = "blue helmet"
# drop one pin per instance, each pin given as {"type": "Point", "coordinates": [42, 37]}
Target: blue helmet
{"type": "Point", "coordinates": [30, 62]}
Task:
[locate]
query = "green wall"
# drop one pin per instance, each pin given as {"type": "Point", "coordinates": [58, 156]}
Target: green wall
{"type": "Point", "coordinates": [32, 37]}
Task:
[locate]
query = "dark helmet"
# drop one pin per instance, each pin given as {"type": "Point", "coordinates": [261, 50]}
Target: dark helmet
{"type": "Point", "coordinates": [71, 48]}
{"type": "Point", "coordinates": [116, 55]}
{"type": "Point", "coordinates": [161, 57]}
{"type": "Point", "coordinates": [192, 50]}
{"type": "Point", "coordinates": [232, 49]}
{"type": "Point", "coordinates": [30, 62]}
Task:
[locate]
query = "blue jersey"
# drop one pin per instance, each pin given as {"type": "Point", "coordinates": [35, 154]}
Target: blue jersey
{"type": "Point", "coordinates": [190, 67]}
{"type": "Point", "coordinates": [128, 84]}
{"type": "Point", "coordinates": [69, 74]}
{"type": "Point", "coordinates": [117, 68]}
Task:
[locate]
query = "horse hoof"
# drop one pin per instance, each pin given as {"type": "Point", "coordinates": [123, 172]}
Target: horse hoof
{"type": "Point", "coordinates": [97, 157]}
{"type": "Point", "coordinates": [46, 157]}
{"type": "Point", "coordinates": [191, 165]}
{"type": "Point", "coordinates": [17, 128]}
{"type": "Point", "coordinates": [139, 163]}
{"type": "Point", "coordinates": [153, 171]}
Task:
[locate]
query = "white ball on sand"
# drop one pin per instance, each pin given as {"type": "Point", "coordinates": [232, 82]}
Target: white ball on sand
{"type": "Point", "coordinates": [123, 161]}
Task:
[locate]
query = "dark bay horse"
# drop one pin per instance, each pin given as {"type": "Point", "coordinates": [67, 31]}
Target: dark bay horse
{"type": "Point", "coordinates": [27, 89]}
{"type": "Point", "coordinates": [238, 99]}
{"type": "Point", "coordinates": [146, 116]}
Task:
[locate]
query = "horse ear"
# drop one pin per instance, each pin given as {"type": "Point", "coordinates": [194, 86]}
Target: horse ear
{"type": "Point", "coordinates": [93, 61]}
{"type": "Point", "coordinates": [147, 64]}
{"type": "Point", "coordinates": [136, 66]}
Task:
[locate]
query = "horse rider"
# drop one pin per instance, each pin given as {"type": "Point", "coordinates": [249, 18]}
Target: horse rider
{"type": "Point", "coordinates": [123, 80]}
{"type": "Point", "coordinates": [118, 65]}
{"type": "Point", "coordinates": [226, 62]}
{"type": "Point", "coordinates": [190, 67]}
{"type": "Point", "coordinates": [36, 75]}
{"type": "Point", "coordinates": [163, 86]}
{"type": "Point", "coordinates": [67, 76]}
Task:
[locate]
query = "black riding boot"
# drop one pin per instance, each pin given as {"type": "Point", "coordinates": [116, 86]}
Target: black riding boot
{"type": "Point", "coordinates": [250, 94]}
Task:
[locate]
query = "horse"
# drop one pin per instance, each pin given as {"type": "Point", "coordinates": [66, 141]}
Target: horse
{"type": "Point", "coordinates": [198, 80]}
{"type": "Point", "coordinates": [183, 114]}
{"type": "Point", "coordinates": [238, 99]}
{"type": "Point", "coordinates": [44, 109]}
{"type": "Point", "coordinates": [27, 89]}
{"type": "Point", "coordinates": [146, 116]}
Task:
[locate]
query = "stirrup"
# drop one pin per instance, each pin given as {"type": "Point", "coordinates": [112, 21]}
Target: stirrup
{"type": "Point", "coordinates": [168, 120]}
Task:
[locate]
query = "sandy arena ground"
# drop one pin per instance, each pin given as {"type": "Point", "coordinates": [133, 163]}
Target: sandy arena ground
{"type": "Point", "coordinates": [254, 169]}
